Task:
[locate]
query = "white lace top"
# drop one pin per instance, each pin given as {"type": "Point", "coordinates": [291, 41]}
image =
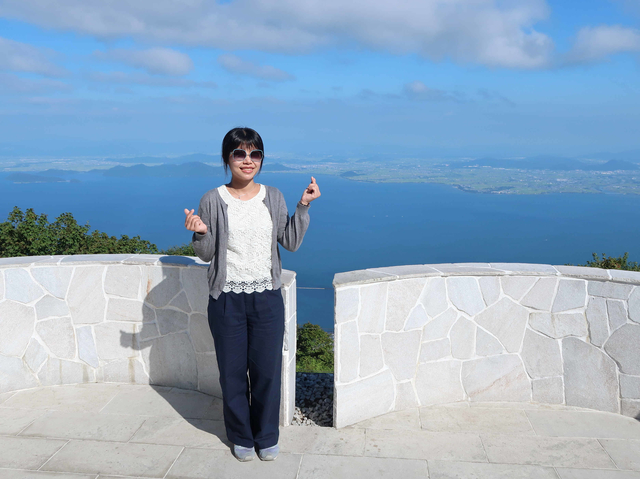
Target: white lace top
{"type": "Point", "coordinates": [249, 246]}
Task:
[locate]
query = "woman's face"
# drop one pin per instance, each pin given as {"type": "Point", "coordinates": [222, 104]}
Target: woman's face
{"type": "Point", "coordinates": [246, 169]}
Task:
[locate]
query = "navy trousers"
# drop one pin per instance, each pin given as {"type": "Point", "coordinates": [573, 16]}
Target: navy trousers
{"type": "Point", "coordinates": [247, 331]}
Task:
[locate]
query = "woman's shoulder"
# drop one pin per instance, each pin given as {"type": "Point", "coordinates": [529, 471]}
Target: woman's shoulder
{"type": "Point", "coordinates": [212, 195]}
{"type": "Point", "coordinates": [273, 192]}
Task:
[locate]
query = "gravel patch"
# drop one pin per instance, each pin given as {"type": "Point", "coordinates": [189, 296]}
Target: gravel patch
{"type": "Point", "coordinates": [314, 400]}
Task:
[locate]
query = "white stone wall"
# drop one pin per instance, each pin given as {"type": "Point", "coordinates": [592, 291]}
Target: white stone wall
{"type": "Point", "coordinates": [420, 335]}
{"type": "Point", "coordinates": [117, 318]}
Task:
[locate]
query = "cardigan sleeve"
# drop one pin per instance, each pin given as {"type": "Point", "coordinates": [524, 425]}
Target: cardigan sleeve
{"type": "Point", "coordinates": [204, 244]}
{"type": "Point", "coordinates": [291, 230]}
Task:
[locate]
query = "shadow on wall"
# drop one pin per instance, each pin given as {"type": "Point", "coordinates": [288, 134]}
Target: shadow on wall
{"type": "Point", "coordinates": [176, 345]}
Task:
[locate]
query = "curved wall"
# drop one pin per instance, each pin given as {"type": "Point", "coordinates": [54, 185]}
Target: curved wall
{"type": "Point", "coordinates": [420, 335]}
{"type": "Point", "coordinates": [117, 318]}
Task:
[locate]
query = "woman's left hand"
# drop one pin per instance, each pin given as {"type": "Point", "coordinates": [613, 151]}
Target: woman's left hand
{"type": "Point", "coordinates": [311, 193]}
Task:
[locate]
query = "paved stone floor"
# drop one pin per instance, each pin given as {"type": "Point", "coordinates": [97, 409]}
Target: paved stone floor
{"type": "Point", "coordinates": [100, 431]}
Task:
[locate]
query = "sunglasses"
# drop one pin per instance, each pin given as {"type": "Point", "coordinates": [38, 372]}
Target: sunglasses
{"type": "Point", "coordinates": [239, 155]}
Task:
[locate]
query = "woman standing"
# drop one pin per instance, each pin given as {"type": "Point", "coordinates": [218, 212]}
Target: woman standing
{"type": "Point", "coordinates": [238, 228]}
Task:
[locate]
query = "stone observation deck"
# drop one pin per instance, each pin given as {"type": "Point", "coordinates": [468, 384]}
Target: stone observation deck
{"type": "Point", "coordinates": [107, 369]}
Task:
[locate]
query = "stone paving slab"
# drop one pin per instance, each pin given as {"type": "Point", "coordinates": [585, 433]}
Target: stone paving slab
{"type": "Point", "coordinates": [13, 420]}
{"type": "Point", "coordinates": [84, 425]}
{"type": "Point", "coordinates": [5, 396]}
{"type": "Point", "coordinates": [595, 474]}
{"type": "Point", "coordinates": [546, 451]}
{"type": "Point", "coordinates": [214, 464]}
{"type": "Point", "coordinates": [584, 424]}
{"type": "Point", "coordinates": [424, 445]}
{"type": "Point", "coordinates": [171, 402]}
{"type": "Point", "coordinates": [331, 467]}
{"type": "Point", "coordinates": [145, 460]}
{"type": "Point", "coordinates": [478, 470]}
{"type": "Point", "coordinates": [475, 420]}
{"type": "Point", "coordinates": [24, 474]}
{"type": "Point", "coordinates": [626, 454]}
{"type": "Point", "coordinates": [408, 419]}
{"type": "Point", "coordinates": [27, 453]}
{"type": "Point", "coordinates": [67, 398]}
{"type": "Point", "coordinates": [322, 440]}
{"type": "Point", "coordinates": [202, 433]}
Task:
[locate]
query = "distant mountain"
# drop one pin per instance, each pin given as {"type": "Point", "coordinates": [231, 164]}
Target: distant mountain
{"type": "Point", "coordinates": [162, 171]}
{"type": "Point", "coordinates": [629, 155]}
{"type": "Point", "coordinates": [614, 165]}
{"type": "Point", "coordinates": [272, 167]}
{"type": "Point", "coordinates": [195, 157]}
{"type": "Point", "coordinates": [30, 178]}
{"type": "Point", "coordinates": [547, 163]}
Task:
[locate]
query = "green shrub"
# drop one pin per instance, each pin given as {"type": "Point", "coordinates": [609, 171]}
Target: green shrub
{"type": "Point", "coordinates": [314, 352]}
{"type": "Point", "coordinates": [610, 262]}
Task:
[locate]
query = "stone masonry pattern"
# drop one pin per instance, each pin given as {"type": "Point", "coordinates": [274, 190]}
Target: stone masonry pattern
{"type": "Point", "coordinates": [138, 319]}
{"type": "Point", "coordinates": [415, 336]}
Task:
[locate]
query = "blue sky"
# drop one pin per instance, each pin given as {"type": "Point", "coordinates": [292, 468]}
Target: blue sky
{"type": "Point", "coordinates": [317, 77]}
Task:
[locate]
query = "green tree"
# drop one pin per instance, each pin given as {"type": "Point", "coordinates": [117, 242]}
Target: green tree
{"type": "Point", "coordinates": [30, 234]}
{"type": "Point", "coordinates": [314, 352]}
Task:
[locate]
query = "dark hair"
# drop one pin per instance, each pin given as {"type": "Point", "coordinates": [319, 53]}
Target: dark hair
{"type": "Point", "coordinates": [240, 137]}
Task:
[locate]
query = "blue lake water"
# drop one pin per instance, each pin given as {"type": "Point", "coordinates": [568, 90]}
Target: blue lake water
{"type": "Point", "coordinates": [360, 225]}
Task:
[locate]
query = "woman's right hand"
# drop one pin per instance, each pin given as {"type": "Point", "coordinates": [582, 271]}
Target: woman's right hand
{"type": "Point", "coordinates": [194, 223]}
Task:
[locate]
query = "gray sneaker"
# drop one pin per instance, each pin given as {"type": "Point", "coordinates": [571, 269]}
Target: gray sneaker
{"type": "Point", "coordinates": [269, 454]}
{"type": "Point", "coordinates": [243, 454]}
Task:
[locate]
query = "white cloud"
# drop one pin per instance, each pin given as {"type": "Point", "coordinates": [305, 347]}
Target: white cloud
{"type": "Point", "coordinates": [149, 80]}
{"type": "Point", "coordinates": [488, 32]}
{"type": "Point", "coordinates": [597, 43]}
{"type": "Point", "coordinates": [21, 57]}
{"type": "Point", "coordinates": [417, 90]}
{"type": "Point", "coordinates": [10, 83]}
{"type": "Point", "coordinates": [162, 61]}
{"type": "Point", "coordinates": [235, 64]}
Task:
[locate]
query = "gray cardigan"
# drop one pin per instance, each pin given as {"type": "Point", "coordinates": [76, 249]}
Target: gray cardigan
{"type": "Point", "coordinates": [212, 246]}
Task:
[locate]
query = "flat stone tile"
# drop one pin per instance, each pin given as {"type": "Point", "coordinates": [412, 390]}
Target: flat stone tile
{"type": "Point", "coordinates": [173, 402]}
{"type": "Point", "coordinates": [95, 258]}
{"type": "Point", "coordinates": [26, 452]}
{"type": "Point", "coordinates": [479, 470]}
{"type": "Point", "coordinates": [216, 464]}
{"type": "Point", "coordinates": [102, 476]}
{"type": "Point", "coordinates": [546, 451]}
{"type": "Point", "coordinates": [584, 424]}
{"type": "Point", "coordinates": [526, 268]}
{"type": "Point", "coordinates": [407, 419]}
{"type": "Point", "coordinates": [24, 474]}
{"type": "Point", "coordinates": [625, 276]}
{"type": "Point", "coordinates": [475, 420]}
{"type": "Point", "coordinates": [625, 453]}
{"type": "Point", "coordinates": [595, 474]}
{"type": "Point", "coordinates": [424, 445]}
{"type": "Point", "coordinates": [322, 440]}
{"type": "Point", "coordinates": [63, 398]}
{"type": "Point", "coordinates": [145, 460]}
{"type": "Point", "coordinates": [202, 433]}
{"type": "Point", "coordinates": [584, 272]}
{"type": "Point", "coordinates": [5, 396]}
{"type": "Point", "coordinates": [23, 260]}
{"type": "Point", "coordinates": [361, 276]}
{"type": "Point", "coordinates": [84, 425]}
{"type": "Point", "coordinates": [14, 420]}
{"type": "Point", "coordinates": [523, 406]}
{"type": "Point", "coordinates": [408, 271]}
{"type": "Point", "coordinates": [331, 467]}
